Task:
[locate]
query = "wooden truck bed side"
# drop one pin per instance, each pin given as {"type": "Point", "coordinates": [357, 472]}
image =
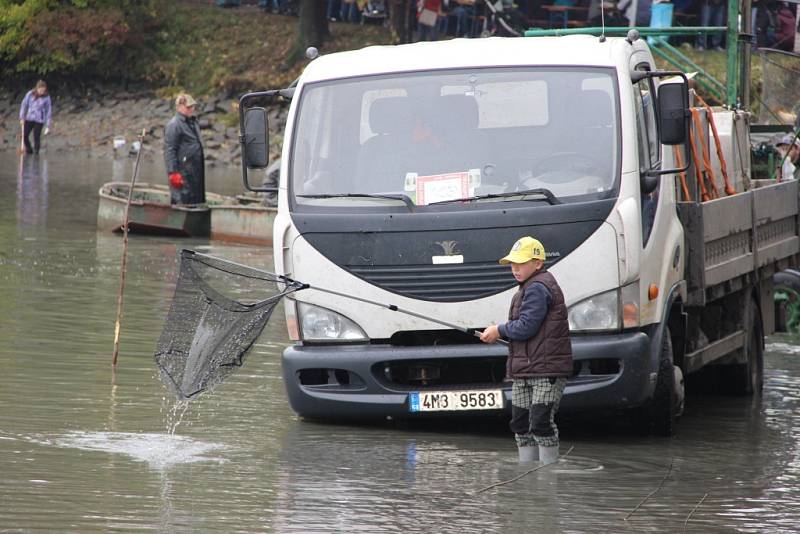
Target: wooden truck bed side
{"type": "Point", "coordinates": [745, 237]}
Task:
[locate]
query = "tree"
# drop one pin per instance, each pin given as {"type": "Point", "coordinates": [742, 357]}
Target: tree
{"type": "Point", "coordinates": [312, 30]}
{"type": "Point", "coordinates": [401, 20]}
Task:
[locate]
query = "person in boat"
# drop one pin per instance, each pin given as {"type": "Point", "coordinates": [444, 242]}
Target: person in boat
{"type": "Point", "coordinates": [539, 353]}
{"type": "Point", "coordinates": [34, 115]}
{"type": "Point", "coordinates": [183, 154]}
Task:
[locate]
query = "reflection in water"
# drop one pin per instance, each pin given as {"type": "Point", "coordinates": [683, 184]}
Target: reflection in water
{"type": "Point", "coordinates": [76, 450]}
{"type": "Point", "coordinates": [32, 191]}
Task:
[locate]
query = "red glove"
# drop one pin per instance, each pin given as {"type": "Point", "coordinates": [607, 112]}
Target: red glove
{"type": "Point", "coordinates": [176, 180]}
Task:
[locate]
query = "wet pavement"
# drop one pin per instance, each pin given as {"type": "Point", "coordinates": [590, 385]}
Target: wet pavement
{"type": "Point", "coordinates": [82, 451]}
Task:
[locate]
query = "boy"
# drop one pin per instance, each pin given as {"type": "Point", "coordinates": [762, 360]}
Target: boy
{"type": "Point", "coordinates": [539, 354]}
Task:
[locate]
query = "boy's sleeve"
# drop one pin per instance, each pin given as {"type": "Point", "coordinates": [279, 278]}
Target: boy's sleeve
{"type": "Point", "coordinates": [533, 310]}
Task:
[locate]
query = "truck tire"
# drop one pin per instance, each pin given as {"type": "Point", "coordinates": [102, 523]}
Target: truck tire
{"type": "Point", "coordinates": [786, 294]}
{"type": "Point", "coordinates": [748, 378]}
{"type": "Point", "coordinates": [664, 406]}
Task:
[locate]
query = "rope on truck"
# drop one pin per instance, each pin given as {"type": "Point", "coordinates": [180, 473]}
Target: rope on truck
{"type": "Point", "coordinates": [729, 189]}
{"type": "Point", "coordinates": [704, 195]}
{"type": "Point", "coordinates": [706, 178]}
{"type": "Point", "coordinates": [707, 173]}
{"type": "Point", "coordinates": [679, 162]}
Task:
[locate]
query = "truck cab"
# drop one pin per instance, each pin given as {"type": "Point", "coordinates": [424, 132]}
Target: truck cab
{"type": "Point", "coordinates": [408, 171]}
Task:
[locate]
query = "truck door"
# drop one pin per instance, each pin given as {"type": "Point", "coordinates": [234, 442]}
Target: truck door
{"type": "Point", "coordinates": [660, 261]}
{"type": "Point", "coordinates": [648, 148]}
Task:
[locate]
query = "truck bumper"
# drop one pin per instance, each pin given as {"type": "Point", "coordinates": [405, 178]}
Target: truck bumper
{"type": "Point", "coordinates": [355, 381]}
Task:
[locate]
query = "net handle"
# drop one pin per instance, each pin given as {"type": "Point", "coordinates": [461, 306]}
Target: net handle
{"type": "Point", "coordinates": [299, 286]}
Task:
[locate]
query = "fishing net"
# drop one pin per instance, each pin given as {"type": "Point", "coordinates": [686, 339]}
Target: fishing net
{"type": "Point", "coordinates": [779, 102]}
{"type": "Point", "coordinates": [218, 311]}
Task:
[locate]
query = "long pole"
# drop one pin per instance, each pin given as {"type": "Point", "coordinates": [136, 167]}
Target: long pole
{"type": "Point", "coordinates": [125, 252]}
{"type": "Point", "coordinates": [21, 149]}
{"type": "Point", "coordinates": [733, 45]}
{"type": "Point", "coordinates": [390, 307]}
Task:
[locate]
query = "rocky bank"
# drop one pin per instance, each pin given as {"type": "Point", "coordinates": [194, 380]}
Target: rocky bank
{"type": "Point", "coordinates": [89, 122]}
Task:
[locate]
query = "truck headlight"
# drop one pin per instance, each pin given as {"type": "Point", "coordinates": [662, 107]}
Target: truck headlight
{"type": "Point", "coordinates": [606, 311]}
{"type": "Point", "coordinates": [321, 324]}
{"type": "Point", "coordinates": [600, 312]}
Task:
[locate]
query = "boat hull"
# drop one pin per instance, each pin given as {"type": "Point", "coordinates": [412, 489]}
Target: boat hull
{"type": "Point", "coordinates": [250, 224]}
{"type": "Point", "coordinates": [150, 212]}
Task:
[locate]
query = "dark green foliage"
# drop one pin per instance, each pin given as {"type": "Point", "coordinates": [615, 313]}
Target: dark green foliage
{"type": "Point", "coordinates": [93, 39]}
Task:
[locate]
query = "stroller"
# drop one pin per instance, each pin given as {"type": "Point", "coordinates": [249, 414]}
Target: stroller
{"type": "Point", "coordinates": [503, 19]}
{"type": "Point", "coordinates": [280, 7]}
{"type": "Point", "coordinates": [374, 11]}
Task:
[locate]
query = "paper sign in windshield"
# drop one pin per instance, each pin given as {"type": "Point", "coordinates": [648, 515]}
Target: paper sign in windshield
{"type": "Point", "coordinates": [442, 187]}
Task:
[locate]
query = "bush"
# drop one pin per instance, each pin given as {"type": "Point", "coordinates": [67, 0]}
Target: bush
{"type": "Point", "coordinates": [92, 39]}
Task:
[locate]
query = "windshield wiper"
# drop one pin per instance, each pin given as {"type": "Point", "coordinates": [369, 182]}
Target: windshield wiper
{"type": "Point", "coordinates": [546, 193]}
{"type": "Point", "coordinates": [405, 199]}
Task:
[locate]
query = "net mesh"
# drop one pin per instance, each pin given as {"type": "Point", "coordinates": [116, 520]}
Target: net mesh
{"type": "Point", "coordinates": [217, 313]}
{"type": "Point", "coordinates": [779, 104]}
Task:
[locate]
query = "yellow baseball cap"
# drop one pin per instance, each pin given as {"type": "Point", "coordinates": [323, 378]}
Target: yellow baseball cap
{"type": "Point", "coordinates": [524, 250]}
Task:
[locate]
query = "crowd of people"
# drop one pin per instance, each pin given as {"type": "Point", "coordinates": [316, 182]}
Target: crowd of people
{"type": "Point", "coordinates": [774, 21]}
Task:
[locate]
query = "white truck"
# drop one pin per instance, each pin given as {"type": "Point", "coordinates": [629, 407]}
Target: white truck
{"type": "Point", "coordinates": [407, 171]}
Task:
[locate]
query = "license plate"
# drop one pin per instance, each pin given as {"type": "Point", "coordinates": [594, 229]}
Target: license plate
{"type": "Point", "coordinates": [451, 401]}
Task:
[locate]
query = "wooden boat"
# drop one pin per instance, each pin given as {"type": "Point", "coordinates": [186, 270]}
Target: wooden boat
{"type": "Point", "coordinates": [151, 211]}
{"type": "Point", "coordinates": [242, 219]}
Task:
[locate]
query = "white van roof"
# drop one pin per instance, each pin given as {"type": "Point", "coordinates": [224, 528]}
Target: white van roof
{"type": "Point", "coordinates": [585, 50]}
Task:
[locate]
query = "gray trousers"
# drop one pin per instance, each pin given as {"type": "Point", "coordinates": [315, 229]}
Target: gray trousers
{"type": "Point", "coordinates": [534, 404]}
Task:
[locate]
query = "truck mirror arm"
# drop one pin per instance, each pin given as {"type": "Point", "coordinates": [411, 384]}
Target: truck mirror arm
{"type": "Point", "coordinates": [652, 177]}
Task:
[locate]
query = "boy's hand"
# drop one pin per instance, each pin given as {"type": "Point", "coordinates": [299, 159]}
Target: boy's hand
{"type": "Point", "coordinates": [490, 334]}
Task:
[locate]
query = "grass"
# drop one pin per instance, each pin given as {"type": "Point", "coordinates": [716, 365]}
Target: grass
{"type": "Point", "coordinates": [213, 50]}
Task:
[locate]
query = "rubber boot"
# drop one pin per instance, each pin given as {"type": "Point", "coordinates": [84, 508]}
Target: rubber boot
{"type": "Point", "coordinates": [548, 455]}
{"type": "Point", "coordinates": [528, 454]}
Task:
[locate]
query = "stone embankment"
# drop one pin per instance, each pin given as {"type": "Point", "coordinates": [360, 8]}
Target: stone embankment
{"type": "Point", "coordinates": [89, 123]}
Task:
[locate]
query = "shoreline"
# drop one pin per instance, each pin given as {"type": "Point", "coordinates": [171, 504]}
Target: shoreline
{"type": "Point", "coordinates": [89, 123]}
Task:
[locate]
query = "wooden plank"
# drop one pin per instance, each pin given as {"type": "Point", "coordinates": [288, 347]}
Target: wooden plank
{"type": "Point", "coordinates": [691, 217]}
{"type": "Point", "coordinates": [727, 215]}
{"type": "Point", "coordinates": [776, 201]}
{"type": "Point", "coordinates": [714, 351]}
{"type": "Point", "coordinates": [778, 251]}
{"type": "Point", "coordinates": [729, 269]}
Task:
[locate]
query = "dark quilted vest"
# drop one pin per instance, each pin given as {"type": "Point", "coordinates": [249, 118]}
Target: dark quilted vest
{"type": "Point", "coordinates": [549, 352]}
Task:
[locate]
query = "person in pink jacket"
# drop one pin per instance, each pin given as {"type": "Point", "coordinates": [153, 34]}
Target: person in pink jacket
{"type": "Point", "coordinates": [35, 113]}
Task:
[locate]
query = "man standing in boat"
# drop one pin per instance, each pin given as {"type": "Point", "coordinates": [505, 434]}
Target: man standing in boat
{"type": "Point", "coordinates": [183, 154]}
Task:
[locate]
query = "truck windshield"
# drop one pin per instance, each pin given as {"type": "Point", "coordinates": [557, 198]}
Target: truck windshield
{"type": "Point", "coordinates": [443, 136]}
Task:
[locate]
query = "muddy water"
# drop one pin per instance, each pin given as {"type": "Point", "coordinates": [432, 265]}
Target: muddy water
{"type": "Point", "coordinates": [82, 453]}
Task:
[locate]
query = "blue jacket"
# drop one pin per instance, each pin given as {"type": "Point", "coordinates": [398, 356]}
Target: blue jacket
{"type": "Point", "coordinates": [534, 308]}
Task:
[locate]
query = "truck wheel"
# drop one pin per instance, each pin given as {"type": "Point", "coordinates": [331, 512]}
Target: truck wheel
{"type": "Point", "coordinates": [748, 378]}
{"type": "Point", "coordinates": [669, 392]}
{"type": "Point", "coordinates": [786, 293]}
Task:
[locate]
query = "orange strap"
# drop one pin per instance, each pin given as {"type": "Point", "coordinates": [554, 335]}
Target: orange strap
{"type": "Point", "coordinates": [696, 162]}
{"type": "Point", "coordinates": [708, 170]}
{"type": "Point", "coordinates": [729, 189]}
{"type": "Point", "coordinates": [679, 162]}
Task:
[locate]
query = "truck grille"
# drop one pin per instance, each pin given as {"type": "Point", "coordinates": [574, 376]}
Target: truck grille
{"type": "Point", "coordinates": [439, 283]}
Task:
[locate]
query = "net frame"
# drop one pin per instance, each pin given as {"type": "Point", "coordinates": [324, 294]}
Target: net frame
{"type": "Point", "coordinates": [207, 334]}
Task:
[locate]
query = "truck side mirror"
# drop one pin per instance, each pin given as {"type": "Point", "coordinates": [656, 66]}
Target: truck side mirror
{"type": "Point", "coordinates": [673, 110]}
{"type": "Point", "coordinates": [255, 149]}
{"type": "Point", "coordinates": [253, 132]}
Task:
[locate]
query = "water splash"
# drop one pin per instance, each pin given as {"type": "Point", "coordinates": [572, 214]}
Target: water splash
{"type": "Point", "coordinates": [159, 451]}
{"type": "Point", "coordinates": [175, 413]}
